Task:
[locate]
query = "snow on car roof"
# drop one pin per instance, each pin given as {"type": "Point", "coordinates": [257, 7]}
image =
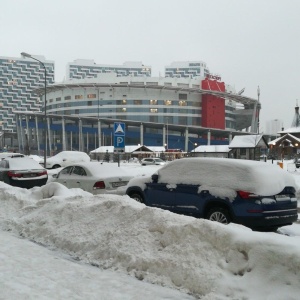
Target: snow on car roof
{"type": "Point", "coordinates": [252, 176]}
{"type": "Point", "coordinates": [22, 163]}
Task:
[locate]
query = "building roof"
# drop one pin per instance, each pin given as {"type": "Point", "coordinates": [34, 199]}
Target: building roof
{"type": "Point", "coordinates": [287, 137]}
{"type": "Point", "coordinates": [248, 141]}
{"type": "Point", "coordinates": [212, 149]}
{"type": "Point", "coordinates": [129, 149]}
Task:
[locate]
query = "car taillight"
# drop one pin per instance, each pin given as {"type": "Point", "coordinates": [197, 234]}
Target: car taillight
{"type": "Point", "coordinates": [99, 185]}
{"type": "Point", "coordinates": [13, 174]}
{"type": "Point", "coordinates": [42, 173]}
{"type": "Point", "coordinates": [246, 195]}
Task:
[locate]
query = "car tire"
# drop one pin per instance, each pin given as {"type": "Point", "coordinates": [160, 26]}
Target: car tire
{"type": "Point", "coordinates": [56, 166]}
{"type": "Point", "coordinates": [219, 214]}
{"type": "Point", "coordinates": [137, 197]}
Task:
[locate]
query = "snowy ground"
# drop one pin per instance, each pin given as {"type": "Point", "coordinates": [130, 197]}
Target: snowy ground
{"type": "Point", "coordinates": [67, 244]}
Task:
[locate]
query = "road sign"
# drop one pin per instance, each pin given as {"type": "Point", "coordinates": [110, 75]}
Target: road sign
{"type": "Point", "coordinates": [119, 142]}
{"type": "Point", "coordinates": [119, 129]}
{"type": "Point", "coordinates": [119, 137]}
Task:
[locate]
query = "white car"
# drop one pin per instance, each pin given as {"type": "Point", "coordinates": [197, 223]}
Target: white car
{"type": "Point", "coordinates": [65, 158]}
{"type": "Point", "coordinates": [4, 155]}
{"type": "Point", "coordinates": [93, 177]}
{"type": "Point", "coordinates": [152, 161]}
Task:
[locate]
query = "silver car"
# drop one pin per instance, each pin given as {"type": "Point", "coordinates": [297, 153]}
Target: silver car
{"type": "Point", "coordinates": [152, 161]}
{"type": "Point", "coordinates": [93, 177]}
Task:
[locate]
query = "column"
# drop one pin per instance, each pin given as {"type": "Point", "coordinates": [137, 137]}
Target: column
{"type": "Point", "coordinates": [21, 133]}
{"type": "Point", "coordinates": [64, 144]}
{"type": "Point", "coordinates": [37, 135]}
{"type": "Point", "coordinates": [186, 140]}
{"type": "Point", "coordinates": [18, 132]}
{"type": "Point", "coordinates": [80, 136]}
{"type": "Point", "coordinates": [27, 138]}
{"type": "Point", "coordinates": [208, 137]}
{"type": "Point", "coordinates": [99, 134]}
{"type": "Point", "coordinates": [164, 135]}
{"type": "Point", "coordinates": [49, 136]}
{"type": "Point", "coordinates": [230, 137]}
{"type": "Point", "coordinates": [142, 134]}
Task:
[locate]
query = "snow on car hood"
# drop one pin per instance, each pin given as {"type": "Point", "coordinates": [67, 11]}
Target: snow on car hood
{"type": "Point", "coordinates": [223, 173]}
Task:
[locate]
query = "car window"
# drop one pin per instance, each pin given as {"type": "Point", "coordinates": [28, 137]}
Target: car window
{"type": "Point", "coordinates": [66, 170]}
{"type": "Point", "coordinates": [78, 171]}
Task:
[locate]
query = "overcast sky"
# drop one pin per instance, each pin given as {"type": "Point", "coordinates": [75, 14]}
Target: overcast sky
{"type": "Point", "coordinates": [249, 43]}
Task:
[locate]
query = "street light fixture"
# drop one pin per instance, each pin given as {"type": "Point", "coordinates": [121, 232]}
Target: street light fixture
{"type": "Point", "coordinates": [24, 54]}
{"type": "Point", "coordinates": [195, 144]}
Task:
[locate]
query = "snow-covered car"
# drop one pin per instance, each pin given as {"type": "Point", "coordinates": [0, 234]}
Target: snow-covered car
{"type": "Point", "coordinates": [37, 158]}
{"type": "Point", "coordinates": [152, 161]}
{"type": "Point", "coordinates": [65, 158]}
{"type": "Point", "coordinates": [252, 193]}
{"type": "Point", "coordinates": [10, 154]}
{"type": "Point", "coordinates": [22, 172]}
{"type": "Point", "coordinates": [93, 177]}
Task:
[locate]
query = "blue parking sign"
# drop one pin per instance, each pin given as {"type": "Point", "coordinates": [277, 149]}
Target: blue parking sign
{"type": "Point", "coordinates": [119, 129]}
{"type": "Point", "coordinates": [119, 137]}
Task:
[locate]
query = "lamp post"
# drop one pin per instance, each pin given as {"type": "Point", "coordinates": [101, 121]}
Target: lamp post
{"type": "Point", "coordinates": [195, 149]}
{"type": "Point", "coordinates": [24, 54]}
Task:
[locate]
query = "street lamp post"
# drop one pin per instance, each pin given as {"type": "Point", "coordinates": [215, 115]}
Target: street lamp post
{"type": "Point", "coordinates": [45, 103]}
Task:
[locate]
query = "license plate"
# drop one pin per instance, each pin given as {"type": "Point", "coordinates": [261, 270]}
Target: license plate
{"type": "Point", "coordinates": [119, 183]}
{"type": "Point", "coordinates": [29, 175]}
{"type": "Point", "coordinates": [282, 197]}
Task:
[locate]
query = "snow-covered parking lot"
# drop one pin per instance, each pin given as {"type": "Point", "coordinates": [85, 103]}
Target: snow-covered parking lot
{"type": "Point", "coordinates": [68, 244]}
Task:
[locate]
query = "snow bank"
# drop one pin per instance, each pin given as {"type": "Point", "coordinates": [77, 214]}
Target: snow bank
{"type": "Point", "coordinates": [199, 257]}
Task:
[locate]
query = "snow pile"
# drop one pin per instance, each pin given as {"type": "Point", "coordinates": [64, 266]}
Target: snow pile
{"type": "Point", "coordinates": [199, 257]}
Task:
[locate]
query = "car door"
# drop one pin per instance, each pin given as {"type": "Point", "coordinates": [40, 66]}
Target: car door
{"type": "Point", "coordinates": [64, 176]}
{"type": "Point", "coordinates": [160, 195]}
{"type": "Point", "coordinates": [79, 179]}
{"type": "Point", "coordinates": [188, 200]}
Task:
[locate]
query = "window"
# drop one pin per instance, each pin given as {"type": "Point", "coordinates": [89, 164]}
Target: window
{"type": "Point", "coordinates": [91, 96]}
{"type": "Point", "coordinates": [90, 103]}
{"type": "Point", "coordinates": [168, 102]}
{"type": "Point", "coordinates": [153, 110]}
{"type": "Point", "coordinates": [68, 98]}
{"type": "Point", "coordinates": [182, 103]}
{"type": "Point", "coordinates": [65, 171]}
{"type": "Point", "coordinates": [182, 96]}
{"type": "Point", "coordinates": [153, 102]}
{"type": "Point", "coordinates": [79, 171]}
{"type": "Point", "coordinates": [78, 96]}
{"type": "Point", "coordinates": [50, 100]}
{"type": "Point", "coordinates": [137, 102]}
{"type": "Point", "coordinates": [124, 109]}
{"type": "Point", "coordinates": [58, 99]}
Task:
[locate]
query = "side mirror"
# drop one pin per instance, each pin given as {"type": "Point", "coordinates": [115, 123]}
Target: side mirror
{"type": "Point", "coordinates": [154, 178]}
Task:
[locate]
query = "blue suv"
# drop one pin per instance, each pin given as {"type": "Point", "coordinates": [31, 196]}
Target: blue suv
{"type": "Point", "coordinates": [256, 194]}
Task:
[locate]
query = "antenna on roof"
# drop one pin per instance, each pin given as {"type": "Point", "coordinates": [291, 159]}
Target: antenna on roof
{"type": "Point", "coordinates": [241, 91]}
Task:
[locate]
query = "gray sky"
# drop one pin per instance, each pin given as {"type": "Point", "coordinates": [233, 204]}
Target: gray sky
{"type": "Point", "coordinates": [250, 43]}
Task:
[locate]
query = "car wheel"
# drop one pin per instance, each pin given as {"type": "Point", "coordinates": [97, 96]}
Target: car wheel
{"type": "Point", "coordinates": [137, 197]}
{"type": "Point", "coordinates": [219, 214]}
{"type": "Point", "coordinates": [56, 166]}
